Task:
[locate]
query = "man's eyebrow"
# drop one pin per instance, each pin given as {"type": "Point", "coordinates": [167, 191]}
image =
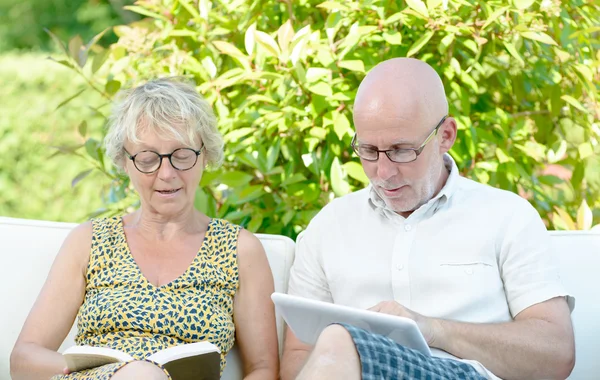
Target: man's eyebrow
{"type": "Point", "coordinates": [398, 144]}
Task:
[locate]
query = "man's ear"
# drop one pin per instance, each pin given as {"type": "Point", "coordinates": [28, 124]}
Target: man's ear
{"type": "Point", "coordinates": [447, 134]}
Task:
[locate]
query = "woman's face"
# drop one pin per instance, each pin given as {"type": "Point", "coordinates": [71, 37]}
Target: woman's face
{"type": "Point", "coordinates": [168, 192]}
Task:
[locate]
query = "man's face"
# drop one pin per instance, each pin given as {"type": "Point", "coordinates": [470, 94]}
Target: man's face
{"type": "Point", "coordinates": [403, 186]}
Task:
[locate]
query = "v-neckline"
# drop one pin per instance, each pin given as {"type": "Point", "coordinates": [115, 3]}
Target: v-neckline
{"type": "Point", "coordinates": [207, 235]}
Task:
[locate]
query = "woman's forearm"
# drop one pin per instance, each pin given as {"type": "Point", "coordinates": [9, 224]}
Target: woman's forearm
{"type": "Point", "coordinates": [262, 374]}
{"type": "Point", "coordinates": [29, 361]}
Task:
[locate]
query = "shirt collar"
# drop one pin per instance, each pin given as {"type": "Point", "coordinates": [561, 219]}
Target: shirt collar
{"type": "Point", "coordinates": [379, 205]}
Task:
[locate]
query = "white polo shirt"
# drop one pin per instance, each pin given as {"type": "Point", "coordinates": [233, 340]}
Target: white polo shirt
{"type": "Point", "coordinates": [473, 253]}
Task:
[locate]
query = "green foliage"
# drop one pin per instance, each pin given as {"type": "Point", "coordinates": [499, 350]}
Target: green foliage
{"type": "Point", "coordinates": [522, 79]}
{"type": "Point", "coordinates": [35, 183]}
{"type": "Point", "coordinates": [22, 22]}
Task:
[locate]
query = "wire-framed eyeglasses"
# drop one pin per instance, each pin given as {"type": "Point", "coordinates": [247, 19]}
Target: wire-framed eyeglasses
{"type": "Point", "coordinates": [398, 155]}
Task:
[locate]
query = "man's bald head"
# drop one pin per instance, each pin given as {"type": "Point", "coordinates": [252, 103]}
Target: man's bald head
{"type": "Point", "coordinates": [397, 108]}
{"type": "Point", "coordinates": [403, 88]}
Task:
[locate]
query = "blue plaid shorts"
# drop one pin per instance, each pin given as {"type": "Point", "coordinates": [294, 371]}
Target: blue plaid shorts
{"type": "Point", "coordinates": [383, 359]}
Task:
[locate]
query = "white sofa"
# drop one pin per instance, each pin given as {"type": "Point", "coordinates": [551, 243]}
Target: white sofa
{"type": "Point", "coordinates": [28, 249]}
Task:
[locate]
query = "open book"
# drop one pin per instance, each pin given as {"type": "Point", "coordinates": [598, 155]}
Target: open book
{"type": "Point", "coordinates": [198, 361]}
{"type": "Point", "coordinates": [307, 318]}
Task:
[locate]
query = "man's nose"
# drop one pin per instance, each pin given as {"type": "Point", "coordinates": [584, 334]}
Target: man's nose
{"type": "Point", "coordinates": [385, 167]}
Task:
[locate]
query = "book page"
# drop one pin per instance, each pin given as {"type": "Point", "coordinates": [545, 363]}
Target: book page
{"type": "Point", "coordinates": [183, 351]}
{"type": "Point", "coordinates": [83, 357]}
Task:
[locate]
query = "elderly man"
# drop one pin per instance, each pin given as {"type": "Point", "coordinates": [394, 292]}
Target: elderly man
{"type": "Point", "coordinates": [471, 264]}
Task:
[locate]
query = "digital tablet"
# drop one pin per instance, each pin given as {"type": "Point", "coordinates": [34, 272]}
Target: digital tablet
{"type": "Point", "coordinates": [307, 318]}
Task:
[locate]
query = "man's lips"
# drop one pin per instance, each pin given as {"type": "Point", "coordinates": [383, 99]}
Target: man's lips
{"type": "Point", "coordinates": [392, 191]}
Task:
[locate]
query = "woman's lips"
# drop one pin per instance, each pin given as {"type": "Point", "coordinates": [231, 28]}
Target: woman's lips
{"type": "Point", "coordinates": [168, 193]}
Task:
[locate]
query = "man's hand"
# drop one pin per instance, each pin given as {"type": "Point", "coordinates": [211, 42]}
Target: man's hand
{"type": "Point", "coordinates": [428, 326]}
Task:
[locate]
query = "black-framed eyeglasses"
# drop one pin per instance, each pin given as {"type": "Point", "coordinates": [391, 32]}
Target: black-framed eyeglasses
{"type": "Point", "coordinates": [399, 155]}
{"type": "Point", "coordinates": [149, 161]}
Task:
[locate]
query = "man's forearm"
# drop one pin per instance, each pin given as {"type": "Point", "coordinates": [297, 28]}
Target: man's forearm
{"type": "Point", "coordinates": [292, 363]}
{"type": "Point", "coordinates": [526, 349]}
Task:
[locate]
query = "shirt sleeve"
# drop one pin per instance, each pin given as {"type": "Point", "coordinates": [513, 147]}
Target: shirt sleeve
{"type": "Point", "coordinates": [528, 265]}
{"type": "Point", "coordinates": [307, 277]}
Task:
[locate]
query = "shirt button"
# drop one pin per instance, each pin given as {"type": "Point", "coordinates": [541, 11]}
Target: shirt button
{"type": "Point", "coordinates": [399, 266]}
{"type": "Point", "coordinates": [469, 271]}
{"type": "Point", "coordinates": [408, 227]}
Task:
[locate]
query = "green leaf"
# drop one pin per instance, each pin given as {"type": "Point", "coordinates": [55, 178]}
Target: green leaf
{"type": "Point", "coordinates": [471, 45]}
{"type": "Point", "coordinates": [394, 18]}
{"type": "Point", "coordinates": [550, 180]}
{"type": "Point", "coordinates": [145, 12]}
{"type": "Point", "coordinates": [321, 88]}
{"type": "Point", "coordinates": [285, 34]}
{"type": "Point", "coordinates": [67, 100]}
{"type": "Point", "coordinates": [91, 147]}
{"type": "Point", "coordinates": [393, 37]}
{"type": "Point", "coordinates": [249, 40]}
{"type": "Point", "coordinates": [513, 51]}
{"type": "Point", "coordinates": [494, 16]}
{"type": "Point", "coordinates": [333, 6]}
{"type": "Point", "coordinates": [190, 8]}
{"type": "Point", "coordinates": [338, 183]}
{"type": "Point", "coordinates": [418, 44]}
{"type": "Point", "coordinates": [99, 60]}
{"type": "Point", "coordinates": [229, 49]}
{"type": "Point", "coordinates": [267, 42]}
{"type": "Point", "coordinates": [255, 222]}
{"type": "Point", "coordinates": [297, 177]}
{"type": "Point", "coordinates": [354, 65]}
{"type": "Point", "coordinates": [585, 150]}
{"type": "Point", "coordinates": [209, 66]}
{"type": "Point", "coordinates": [574, 102]}
{"type": "Point", "coordinates": [287, 217]}
{"type": "Point", "coordinates": [183, 33]}
{"type": "Point", "coordinates": [112, 86]}
{"type": "Point", "coordinates": [432, 4]}
{"type": "Point", "coordinates": [341, 125]}
{"type": "Point", "coordinates": [75, 50]}
{"type": "Point", "coordinates": [82, 129]}
{"type": "Point", "coordinates": [273, 154]}
{"type": "Point", "coordinates": [314, 74]}
{"type": "Point", "coordinates": [204, 7]}
{"type": "Point", "coordinates": [63, 62]}
{"type": "Point", "coordinates": [585, 217]}
{"type": "Point", "coordinates": [503, 157]}
{"type": "Point", "coordinates": [540, 37]}
{"type": "Point", "coordinates": [355, 170]}
{"type": "Point", "coordinates": [446, 42]}
{"type": "Point", "coordinates": [205, 203]}
{"type": "Point", "coordinates": [235, 178]}
{"type": "Point", "coordinates": [419, 6]}
{"type": "Point", "coordinates": [523, 4]}
{"type": "Point", "coordinates": [80, 176]}
{"type": "Point", "coordinates": [57, 41]}
{"type": "Point", "coordinates": [250, 193]}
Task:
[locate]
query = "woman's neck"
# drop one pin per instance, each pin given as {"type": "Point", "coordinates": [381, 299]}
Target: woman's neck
{"type": "Point", "coordinates": [152, 226]}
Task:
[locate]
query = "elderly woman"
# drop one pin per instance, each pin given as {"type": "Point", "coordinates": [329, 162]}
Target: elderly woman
{"type": "Point", "coordinates": [163, 275]}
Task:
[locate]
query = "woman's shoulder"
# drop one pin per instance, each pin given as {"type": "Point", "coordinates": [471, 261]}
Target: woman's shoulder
{"type": "Point", "coordinates": [223, 224]}
{"type": "Point", "coordinates": [77, 245]}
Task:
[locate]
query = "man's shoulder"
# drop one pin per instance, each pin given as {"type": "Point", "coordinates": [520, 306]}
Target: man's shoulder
{"type": "Point", "coordinates": [475, 193]}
